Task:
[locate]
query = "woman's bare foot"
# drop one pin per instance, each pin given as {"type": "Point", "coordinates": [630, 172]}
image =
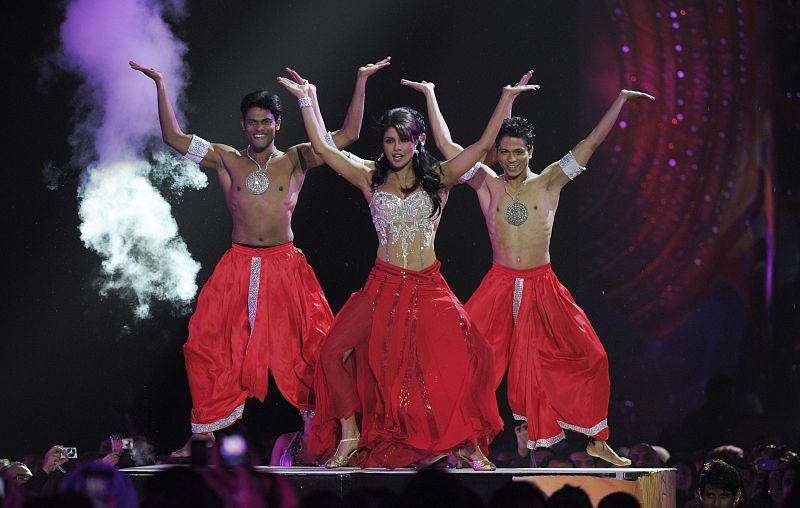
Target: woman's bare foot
{"type": "Point", "coordinates": [186, 451]}
{"type": "Point", "coordinates": [601, 450]}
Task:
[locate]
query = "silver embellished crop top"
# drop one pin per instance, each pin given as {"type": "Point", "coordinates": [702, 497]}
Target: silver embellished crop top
{"type": "Point", "coordinates": [405, 222]}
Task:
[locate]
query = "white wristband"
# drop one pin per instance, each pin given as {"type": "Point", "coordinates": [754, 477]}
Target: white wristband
{"type": "Point", "coordinates": [198, 148]}
{"type": "Point", "coordinates": [570, 166]}
{"type": "Point", "coordinates": [353, 157]}
{"type": "Point", "coordinates": [469, 174]}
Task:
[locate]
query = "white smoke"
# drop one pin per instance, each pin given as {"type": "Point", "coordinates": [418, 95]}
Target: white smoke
{"type": "Point", "coordinates": [124, 218]}
{"type": "Point", "coordinates": [176, 173]}
{"type": "Point", "coordinates": [127, 222]}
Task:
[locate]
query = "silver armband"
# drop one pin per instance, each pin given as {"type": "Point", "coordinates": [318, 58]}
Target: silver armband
{"type": "Point", "coordinates": [469, 174]}
{"type": "Point", "coordinates": [198, 149]}
{"type": "Point", "coordinates": [353, 157]}
{"type": "Point", "coordinates": [329, 140]}
{"type": "Point", "coordinates": [570, 166]}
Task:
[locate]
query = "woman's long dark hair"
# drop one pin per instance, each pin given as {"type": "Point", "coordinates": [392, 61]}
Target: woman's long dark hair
{"type": "Point", "coordinates": [409, 125]}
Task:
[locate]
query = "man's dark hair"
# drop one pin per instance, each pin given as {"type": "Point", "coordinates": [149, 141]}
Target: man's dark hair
{"type": "Point", "coordinates": [516, 127]}
{"type": "Point", "coordinates": [719, 474]}
{"type": "Point", "coordinates": [261, 99]}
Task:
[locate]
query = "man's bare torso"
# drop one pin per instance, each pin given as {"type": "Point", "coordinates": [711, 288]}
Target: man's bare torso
{"type": "Point", "coordinates": [527, 245]}
{"type": "Point", "coordinates": [264, 219]}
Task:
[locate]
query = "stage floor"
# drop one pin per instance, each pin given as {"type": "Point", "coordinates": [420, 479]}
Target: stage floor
{"type": "Point", "coordinates": [655, 488]}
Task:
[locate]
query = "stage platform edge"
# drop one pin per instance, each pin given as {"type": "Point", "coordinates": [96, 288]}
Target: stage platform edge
{"type": "Point", "coordinates": [653, 487]}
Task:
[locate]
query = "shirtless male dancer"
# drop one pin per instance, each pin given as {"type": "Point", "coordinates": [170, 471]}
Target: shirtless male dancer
{"type": "Point", "coordinates": [262, 308]}
{"type": "Point", "coordinates": [557, 367]}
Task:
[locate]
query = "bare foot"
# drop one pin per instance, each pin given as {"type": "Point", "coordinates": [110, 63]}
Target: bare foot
{"type": "Point", "coordinates": [601, 450]}
{"type": "Point", "coordinates": [186, 451]}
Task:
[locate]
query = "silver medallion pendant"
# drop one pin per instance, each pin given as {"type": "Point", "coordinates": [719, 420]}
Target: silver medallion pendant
{"type": "Point", "coordinates": [516, 213]}
{"type": "Point", "coordinates": [257, 182]}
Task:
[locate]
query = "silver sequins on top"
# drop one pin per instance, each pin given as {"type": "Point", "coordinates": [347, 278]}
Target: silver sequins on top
{"type": "Point", "coordinates": [402, 221]}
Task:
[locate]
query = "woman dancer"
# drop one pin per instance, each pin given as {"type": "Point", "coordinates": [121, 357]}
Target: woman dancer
{"type": "Point", "coordinates": [402, 353]}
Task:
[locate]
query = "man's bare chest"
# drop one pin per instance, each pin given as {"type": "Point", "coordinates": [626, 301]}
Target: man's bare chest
{"type": "Point", "coordinates": [530, 207]}
{"type": "Point", "coordinates": [246, 176]}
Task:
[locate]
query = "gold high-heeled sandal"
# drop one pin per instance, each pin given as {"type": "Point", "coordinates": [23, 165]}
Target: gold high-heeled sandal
{"type": "Point", "coordinates": [340, 460]}
{"type": "Point", "coordinates": [483, 464]}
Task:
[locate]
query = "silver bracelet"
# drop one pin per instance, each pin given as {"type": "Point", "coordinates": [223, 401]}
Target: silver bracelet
{"type": "Point", "coordinates": [198, 148]}
{"type": "Point", "coordinates": [570, 166]}
{"type": "Point", "coordinates": [329, 140]}
{"type": "Point", "coordinates": [353, 157]}
{"type": "Point", "coordinates": [469, 174]}
{"type": "Point", "coordinates": [304, 102]}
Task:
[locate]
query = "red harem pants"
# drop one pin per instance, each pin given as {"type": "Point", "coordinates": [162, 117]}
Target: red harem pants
{"type": "Point", "coordinates": [262, 308]}
{"type": "Point", "coordinates": [420, 373]}
{"type": "Point", "coordinates": [557, 367]}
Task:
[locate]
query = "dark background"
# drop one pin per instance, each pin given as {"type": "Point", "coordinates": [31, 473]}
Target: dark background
{"type": "Point", "coordinates": [77, 367]}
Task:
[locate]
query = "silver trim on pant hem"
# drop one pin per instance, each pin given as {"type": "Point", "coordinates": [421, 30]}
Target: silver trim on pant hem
{"type": "Point", "coordinates": [546, 443]}
{"type": "Point", "coordinates": [229, 420]}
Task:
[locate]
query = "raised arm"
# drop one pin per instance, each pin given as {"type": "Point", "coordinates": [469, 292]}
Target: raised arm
{"type": "Point", "coordinates": [491, 158]}
{"type": "Point", "coordinates": [350, 130]}
{"type": "Point", "coordinates": [171, 131]}
{"type": "Point", "coordinates": [584, 150]}
{"type": "Point", "coordinates": [560, 173]}
{"type": "Point", "coordinates": [441, 133]}
{"type": "Point", "coordinates": [454, 168]}
{"type": "Point", "coordinates": [351, 127]}
{"type": "Point", "coordinates": [439, 130]}
{"type": "Point", "coordinates": [354, 171]}
{"type": "Point", "coordinates": [312, 94]}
